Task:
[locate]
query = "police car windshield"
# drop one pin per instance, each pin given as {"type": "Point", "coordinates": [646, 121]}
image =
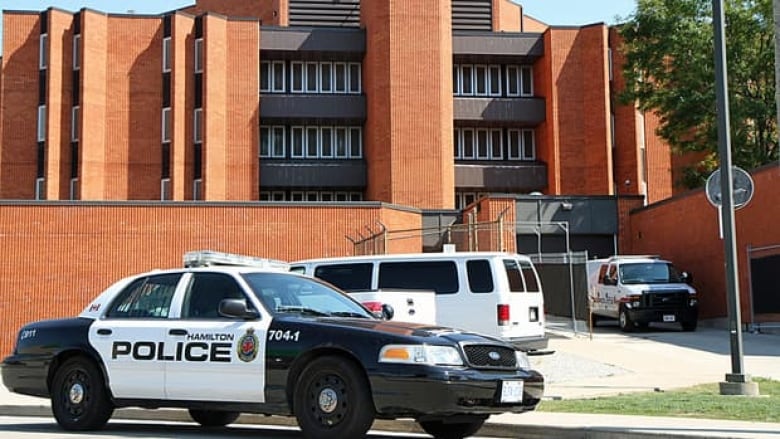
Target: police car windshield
{"type": "Point", "coordinates": [285, 293]}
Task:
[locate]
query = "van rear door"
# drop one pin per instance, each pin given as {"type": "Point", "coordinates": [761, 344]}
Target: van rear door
{"type": "Point", "coordinates": [520, 311]}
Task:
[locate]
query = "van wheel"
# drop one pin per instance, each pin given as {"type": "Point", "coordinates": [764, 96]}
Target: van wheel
{"type": "Point", "coordinates": [457, 430]}
{"type": "Point", "coordinates": [624, 321]}
{"type": "Point", "coordinates": [79, 399]}
{"type": "Point", "coordinates": [332, 399]}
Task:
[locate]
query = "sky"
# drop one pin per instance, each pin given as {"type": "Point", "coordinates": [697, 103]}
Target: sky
{"type": "Point", "coordinates": [554, 12]}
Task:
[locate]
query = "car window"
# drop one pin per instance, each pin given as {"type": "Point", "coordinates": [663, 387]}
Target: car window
{"type": "Point", "coordinates": [206, 291]}
{"type": "Point", "coordinates": [514, 276]}
{"type": "Point", "coordinates": [480, 276]}
{"type": "Point", "coordinates": [283, 294]}
{"type": "Point", "coordinates": [529, 275]}
{"type": "Point", "coordinates": [348, 277]}
{"type": "Point", "coordinates": [439, 276]}
{"type": "Point", "coordinates": [147, 297]}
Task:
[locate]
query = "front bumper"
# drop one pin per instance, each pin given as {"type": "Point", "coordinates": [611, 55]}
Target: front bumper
{"type": "Point", "coordinates": [430, 392]}
{"type": "Point", "coordinates": [648, 315]}
{"type": "Point", "coordinates": [26, 376]}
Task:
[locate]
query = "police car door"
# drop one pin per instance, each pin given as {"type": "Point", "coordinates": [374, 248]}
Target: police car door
{"type": "Point", "coordinates": [130, 336]}
{"type": "Point", "coordinates": [216, 358]}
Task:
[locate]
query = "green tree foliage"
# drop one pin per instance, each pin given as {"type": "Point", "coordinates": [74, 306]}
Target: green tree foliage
{"type": "Point", "coordinates": [670, 70]}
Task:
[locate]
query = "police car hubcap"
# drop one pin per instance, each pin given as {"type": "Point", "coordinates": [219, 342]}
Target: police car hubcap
{"type": "Point", "coordinates": [76, 393]}
{"type": "Point", "coordinates": [328, 400]}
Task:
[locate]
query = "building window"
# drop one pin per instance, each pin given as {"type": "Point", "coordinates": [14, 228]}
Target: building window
{"type": "Point", "coordinates": [40, 188]}
{"type": "Point", "coordinates": [466, 81]}
{"type": "Point", "coordinates": [478, 144]}
{"type": "Point", "coordinates": [74, 124]}
{"type": "Point", "coordinates": [297, 142]}
{"type": "Point", "coordinates": [272, 141]}
{"type": "Point", "coordinates": [272, 75]}
{"type": "Point", "coordinates": [166, 124]}
{"type": "Point", "coordinates": [198, 126]}
{"type": "Point", "coordinates": [463, 199]}
{"type": "Point", "coordinates": [74, 189]}
{"type": "Point", "coordinates": [325, 77]}
{"type": "Point", "coordinates": [43, 52]}
{"type": "Point", "coordinates": [355, 78]}
{"type": "Point", "coordinates": [522, 145]}
{"type": "Point", "coordinates": [165, 189]}
{"type": "Point", "coordinates": [76, 52]}
{"type": "Point", "coordinates": [519, 80]}
{"type": "Point", "coordinates": [197, 189]}
{"type": "Point", "coordinates": [355, 142]}
{"type": "Point", "coordinates": [340, 77]}
{"type": "Point", "coordinates": [199, 55]}
{"type": "Point", "coordinates": [326, 142]}
{"type": "Point", "coordinates": [312, 196]}
{"type": "Point", "coordinates": [456, 90]}
{"type": "Point", "coordinates": [312, 77]}
{"type": "Point", "coordinates": [41, 123]}
{"type": "Point", "coordinates": [166, 55]}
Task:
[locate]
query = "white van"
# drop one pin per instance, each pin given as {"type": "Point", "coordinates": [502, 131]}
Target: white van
{"type": "Point", "coordinates": [492, 293]}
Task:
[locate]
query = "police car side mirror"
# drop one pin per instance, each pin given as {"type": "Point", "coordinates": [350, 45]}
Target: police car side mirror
{"type": "Point", "coordinates": [387, 312]}
{"type": "Point", "coordinates": [236, 309]}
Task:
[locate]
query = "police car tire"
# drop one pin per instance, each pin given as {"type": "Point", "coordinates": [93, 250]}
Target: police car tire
{"type": "Point", "coordinates": [354, 412]}
{"type": "Point", "coordinates": [213, 418]}
{"type": "Point", "coordinates": [445, 430]}
{"type": "Point", "coordinates": [79, 378]}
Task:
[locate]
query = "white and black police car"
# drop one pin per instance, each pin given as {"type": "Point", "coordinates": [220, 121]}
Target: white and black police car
{"type": "Point", "coordinates": [224, 340]}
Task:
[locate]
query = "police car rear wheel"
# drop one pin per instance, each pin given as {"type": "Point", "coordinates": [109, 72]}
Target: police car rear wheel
{"type": "Point", "coordinates": [332, 400]}
{"type": "Point", "coordinates": [458, 430]}
{"type": "Point", "coordinates": [213, 418]}
{"type": "Point", "coordinates": [79, 399]}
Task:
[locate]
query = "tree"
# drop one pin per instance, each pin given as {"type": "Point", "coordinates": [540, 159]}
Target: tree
{"type": "Point", "coordinates": [670, 70]}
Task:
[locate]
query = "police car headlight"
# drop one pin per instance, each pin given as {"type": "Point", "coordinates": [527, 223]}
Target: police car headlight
{"type": "Point", "coordinates": [522, 360]}
{"type": "Point", "coordinates": [421, 354]}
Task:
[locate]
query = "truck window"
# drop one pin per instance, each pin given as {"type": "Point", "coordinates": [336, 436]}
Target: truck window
{"type": "Point", "coordinates": [480, 276]}
{"type": "Point", "coordinates": [348, 277]}
{"type": "Point", "coordinates": [514, 276]}
{"type": "Point", "coordinates": [438, 276]}
{"type": "Point", "coordinates": [531, 283]}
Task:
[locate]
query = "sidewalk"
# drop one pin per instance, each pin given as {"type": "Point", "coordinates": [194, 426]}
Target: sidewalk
{"type": "Point", "coordinates": [610, 363]}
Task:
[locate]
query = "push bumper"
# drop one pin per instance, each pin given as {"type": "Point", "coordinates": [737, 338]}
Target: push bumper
{"type": "Point", "coordinates": [435, 393]}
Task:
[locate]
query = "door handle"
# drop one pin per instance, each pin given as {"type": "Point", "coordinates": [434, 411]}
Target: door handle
{"type": "Point", "coordinates": [177, 332]}
{"type": "Point", "coordinates": [104, 331]}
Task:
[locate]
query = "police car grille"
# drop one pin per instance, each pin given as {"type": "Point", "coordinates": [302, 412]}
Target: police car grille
{"type": "Point", "coordinates": [490, 356]}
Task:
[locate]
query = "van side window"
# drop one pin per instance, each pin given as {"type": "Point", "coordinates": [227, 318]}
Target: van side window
{"type": "Point", "coordinates": [531, 284]}
{"type": "Point", "coordinates": [514, 276]}
{"type": "Point", "coordinates": [480, 276]}
{"type": "Point", "coordinates": [348, 277]}
{"type": "Point", "coordinates": [438, 276]}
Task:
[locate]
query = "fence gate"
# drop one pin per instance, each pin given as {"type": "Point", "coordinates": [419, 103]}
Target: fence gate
{"type": "Point", "coordinates": [764, 286]}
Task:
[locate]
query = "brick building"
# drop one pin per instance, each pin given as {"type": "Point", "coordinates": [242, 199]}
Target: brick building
{"type": "Point", "coordinates": [314, 100]}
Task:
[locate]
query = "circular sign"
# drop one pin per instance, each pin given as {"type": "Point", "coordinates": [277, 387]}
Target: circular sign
{"type": "Point", "coordinates": [741, 191]}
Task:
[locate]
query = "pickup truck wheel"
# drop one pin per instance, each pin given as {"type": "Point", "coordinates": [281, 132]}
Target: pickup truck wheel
{"type": "Point", "coordinates": [332, 399]}
{"type": "Point", "coordinates": [689, 326]}
{"type": "Point", "coordinates": [213, 418]}
{"type": "Point", "coordinates": [457, 430]}
{"type": "Point", "coordinates": [624, 321]}
{"type": "Point", "coordinates": [79, 399]}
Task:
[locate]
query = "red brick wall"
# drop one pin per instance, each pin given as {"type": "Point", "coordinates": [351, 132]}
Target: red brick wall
{"type": "Point", "coordinates": [506, 16]}
{"type": "Point", "coordinates": [92, 147]}
{"type": "Point", "coordinates": [270, 12]}
{"type": "Point", "coordinates": [71, 252]}
{"type": "Point", "coordinates": [59, 100]}
{"type": "Point", "coordinates": [408, 86]}
{"type": "Point", "coordinates": [18, 157]}
{"type": "Point", "coordinates": [627, 157]}
{"type": "Point", "coordinates": [659, 161]}
{"type": "Point", "coordinates": [685, 230]}
{"type": "Point", "coordinates": [182, 106]}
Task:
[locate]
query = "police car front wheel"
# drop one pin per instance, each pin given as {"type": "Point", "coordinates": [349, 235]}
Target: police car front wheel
{"type": "Point", "coordinates": [79, 399]}
{"type": "Point", "coordinates": [213, 418]}
{"type": "Point", "coordinates": [332, 400]}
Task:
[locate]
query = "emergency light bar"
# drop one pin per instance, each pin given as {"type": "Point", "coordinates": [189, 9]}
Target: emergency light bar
{"type": "Point", "coordinates": [210, 258]}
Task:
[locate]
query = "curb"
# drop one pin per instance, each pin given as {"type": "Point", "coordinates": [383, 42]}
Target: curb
{"type": "Point", "coordinates": [498, 430]}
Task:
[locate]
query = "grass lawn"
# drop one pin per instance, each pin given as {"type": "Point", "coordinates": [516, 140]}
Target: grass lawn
{"type": "Point", "coordinates": [704, 401]}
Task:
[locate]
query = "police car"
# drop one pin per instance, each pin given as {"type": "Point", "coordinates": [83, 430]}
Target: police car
{"type": "Point", "coordinates": [221, 340]}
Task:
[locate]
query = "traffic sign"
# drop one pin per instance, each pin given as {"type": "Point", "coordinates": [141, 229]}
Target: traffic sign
{"type": "Point", "coordinates": [742, 188]}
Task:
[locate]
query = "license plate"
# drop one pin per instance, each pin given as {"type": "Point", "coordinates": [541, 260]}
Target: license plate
{"type": "Point", "coordinates": [511, 391]}
{"type": "Point", "coordinates": [669, 317]}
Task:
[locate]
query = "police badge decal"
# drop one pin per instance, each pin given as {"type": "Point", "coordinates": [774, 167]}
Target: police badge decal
{"type": "Point", "coordinates": [247, 346]}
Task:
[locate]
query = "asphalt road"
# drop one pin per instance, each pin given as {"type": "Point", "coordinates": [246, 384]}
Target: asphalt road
{"type": "Point", "coordinates": [40, 428]}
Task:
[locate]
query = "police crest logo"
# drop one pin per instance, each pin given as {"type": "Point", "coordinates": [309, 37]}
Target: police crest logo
{"type": "Point", "coordinates": [247, 346]}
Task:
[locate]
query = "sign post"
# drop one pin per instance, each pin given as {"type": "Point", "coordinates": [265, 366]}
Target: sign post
{"type": "Point", "coordinates": [737, 382]}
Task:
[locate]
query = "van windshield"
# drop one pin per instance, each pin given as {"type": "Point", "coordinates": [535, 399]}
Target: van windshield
{"type": "Point", "coordinates": [649, 273]}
